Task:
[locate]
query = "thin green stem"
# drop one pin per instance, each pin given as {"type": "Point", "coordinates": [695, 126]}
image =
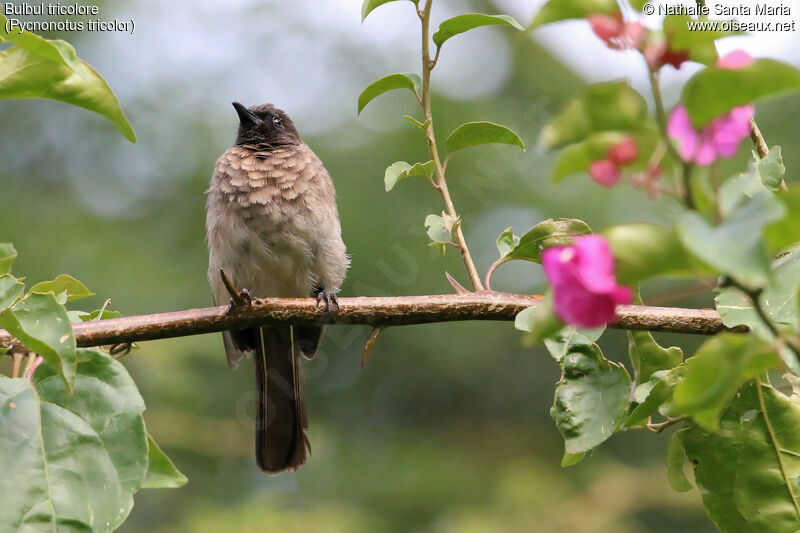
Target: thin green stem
{"type": "Point", "coordinates": [661, 115]}
{"type": "Point", "coordinates": [441, 184]}
{"type": "Point", "coordinates": [755, 298]}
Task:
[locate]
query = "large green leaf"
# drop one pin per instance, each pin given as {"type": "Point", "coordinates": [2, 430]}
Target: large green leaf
{"type": "Point", "coordinates": [10, 290]}
{"type": "Point", "coordinates": [748, 470]}
{"type": "Point", "coordinates": [409, 81]}
{"type": "Point", "coordinates": [612, 106]}
{"type": "Point", "coordinates": [64, 284]}
{"type": "Point", "coordinates": [643, 250]}
{"type": "Point", "coordinates": [557, 10]}
{"type": "Point", "coordinates": [539, 321]}
{"type": "Point", "coordinates": [42, 325]}
{"type": "Point", "coordinates": [105, 397]}
{"type": "Point", "coordinates": [463, 23]}
{"type": "Point", "coordinates": [369, 5]}
{"type": "Point", "coordinates": [708, 93]}
{"type": "Point", "coordinates": [477, 133]}
{"type": "Point", "coordinates": [545, 234]}
{"type": "Point", "coordinates": [734, 247]}
{"type": "Point", "coordinates": [75, 459]}
{"type": "Point", "coordinates": [7, 256]}
{"type": "Point", "coordinates": [591, 399]}
{"type": "Point", "coordinates": [722, 365]}
{"type": "Point", "coordinates": [57, 473]}
{"type": "Point", "coordinates": [38, 68]}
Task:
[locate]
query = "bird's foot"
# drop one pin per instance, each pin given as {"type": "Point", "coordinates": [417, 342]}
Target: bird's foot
{"type": "Point", "coordinates": [329, 298]}
{"type": "Point", "coordinates": [245, 300]}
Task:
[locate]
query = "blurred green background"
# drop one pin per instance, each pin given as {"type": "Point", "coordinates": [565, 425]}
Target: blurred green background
{"type": "Point", "coordinates": [447, 427]}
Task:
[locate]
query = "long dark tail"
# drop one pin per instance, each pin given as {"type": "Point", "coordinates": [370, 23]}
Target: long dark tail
{"type": "Point", "coordinates": [281, 442]}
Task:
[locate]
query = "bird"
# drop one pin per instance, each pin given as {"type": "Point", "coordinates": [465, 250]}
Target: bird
{"type": "Point", "coordinates": [272, 227]}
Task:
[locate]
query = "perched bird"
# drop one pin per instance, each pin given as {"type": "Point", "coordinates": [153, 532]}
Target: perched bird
{"type": "Point", "coordinates": [272, 225]}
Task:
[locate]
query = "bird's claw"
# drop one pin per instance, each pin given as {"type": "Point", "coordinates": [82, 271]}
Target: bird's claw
{"type": "Point", "coordinates": [329, 298]}
{"type": "Point", "coordinates": [245, 297]}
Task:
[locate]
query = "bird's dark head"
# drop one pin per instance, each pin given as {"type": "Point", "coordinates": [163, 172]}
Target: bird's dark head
{"type": "Point", "coordinates": [265, 124]}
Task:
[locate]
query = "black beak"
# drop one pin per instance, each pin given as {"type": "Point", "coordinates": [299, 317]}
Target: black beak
{"type": "Point", "coordinates": [246, 117]}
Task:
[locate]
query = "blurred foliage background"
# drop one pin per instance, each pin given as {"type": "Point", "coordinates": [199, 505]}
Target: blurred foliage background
{"type": "Point", "coordinates": [447, 427]}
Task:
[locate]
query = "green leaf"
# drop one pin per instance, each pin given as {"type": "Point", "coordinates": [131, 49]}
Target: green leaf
{"type": "Point", "coordinates": [570, 459]}
{"type": "Point", "coordinates": [38, 68]}
{"type": "Point", "coordinates": [437, 229]}
{"type": "Point", "coordinates": [477, 133]}
{"type": "Point", "coordinates": [545, 234]}
{"type": "Point", "coordinates": [60, 474]}
{"type": "Point", "coordinates": [421, 125]}
{"type": "Point", "coordinates": [771, 169]}
{"type": "Point", "coordinates": [401, 170]}
{"type": "Point", "coordinates": [506, 241]}
{"type": "Point", "coordinates": [748, 470]}
{"type": "Point", "coordinates": [463, 23]}
{"type": "Point", "coordinates": [708, 95]}
{"type": "Point", "coordinates": [74, 289]}
{"type": "Point", "coordinates": [722, 365]}
{"type": "Point", "coordinates": [643, 250]}
{"type": "Point", "coordinates": [648, 357]}
{"type": "Point", "coordinates": [42, 325]}
{"type": "Point", "coordinates": [779, 300]}
{"type": "Point", "coordinates": [557, 10]}
{"type": "Point", "coordinates": [8, 254]}
{"type": "Point", "coordinates": [612, 106]}
{"type": "Point", "coordinates": [409, 81]}
{"type": "Point", "coordinates": [734, 247]}
{"type": "Point", "coordinates": [652, 395]}
{"type": "Point", "coordinates": [99, 314]}
{"type": "Point", "coordinates": [105, 396]}
{"type": "Point", "coordinates": [10, 290]}
{"type": "Point", "coordinates": [539, 321]}
{"type": "Point", "coordinates": [369, 5]}
{"type": "Point", "coordinates": [569, 339]}
{"type": "Point", "coordinates": [161, 471]}
{"type": "Point", "coordinates": [591, 399]}
{"type": "Point", "coordinates": [785, 232]}
{"type": "Point", "coordinates": [699, 44]}
{"type": "Point", "coordinates": [676, 457]}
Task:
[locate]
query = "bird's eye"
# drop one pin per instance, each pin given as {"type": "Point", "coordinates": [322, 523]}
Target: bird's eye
{"type": "Point", "coordinates": [277, 120]}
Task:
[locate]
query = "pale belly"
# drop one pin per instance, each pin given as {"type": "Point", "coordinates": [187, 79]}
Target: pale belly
{"type": "Point", "coordinates": [266, 258]}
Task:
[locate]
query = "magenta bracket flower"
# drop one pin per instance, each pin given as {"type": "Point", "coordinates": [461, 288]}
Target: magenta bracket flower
{"type": "Point", "coordinates": [721, 138]}
{"type": "Point", "coordinates": [585, 289]}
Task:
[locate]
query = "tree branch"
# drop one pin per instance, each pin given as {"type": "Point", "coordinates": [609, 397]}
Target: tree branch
{"type": "Point", "coordinates": [372, 311]}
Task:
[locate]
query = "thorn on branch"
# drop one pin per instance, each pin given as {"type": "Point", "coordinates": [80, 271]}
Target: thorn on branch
{"type": "Point", "coordinates": [460, 289]}
{"type": "Point", "coordinates": [373, 337]}
{"type": "Point", "coordinates": [239, 300]}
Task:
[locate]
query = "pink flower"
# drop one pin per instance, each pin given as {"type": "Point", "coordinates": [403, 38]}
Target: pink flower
{"type": "Point", "coordinates": [585, 289]}
{"type": "Point", "coordinates": [624, 152]}
{"type": "Point", "coordinates": [721, 138]}
{"type": "Point", "coordinates": [615, 32]}
{"type": "Point", "coordinates": [735, 60]}
{"type": "Point", "coordinates": [604, 172]}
